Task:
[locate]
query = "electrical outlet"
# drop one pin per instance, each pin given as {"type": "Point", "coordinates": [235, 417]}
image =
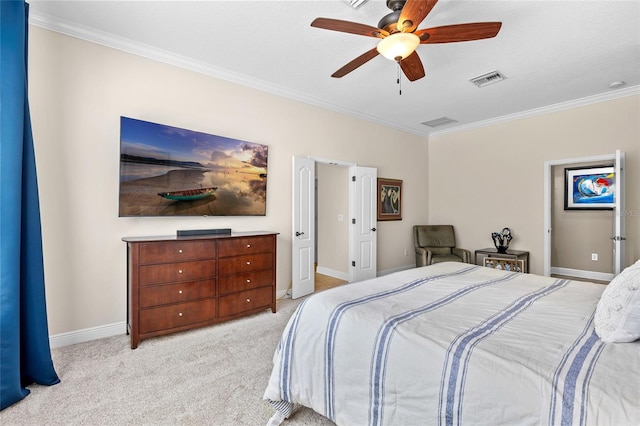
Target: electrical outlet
{"type": "Point", "coordinates": [594, 256]}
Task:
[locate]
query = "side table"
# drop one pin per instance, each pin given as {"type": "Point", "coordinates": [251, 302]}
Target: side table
{"type": "Point", "coordinates": [512, 260]}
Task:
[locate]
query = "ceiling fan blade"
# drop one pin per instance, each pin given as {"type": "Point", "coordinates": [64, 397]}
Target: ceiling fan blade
{"type": "Point", "coordinates": [349, 27]}
{"type": "Point", "coordinates": [414, 12]}
{"type": "Point", "coordinates": [360, 60]}
{"type": "Point", "coordinates": [412, 67]}
{"type": "Point", "coordinates": [459, 32]}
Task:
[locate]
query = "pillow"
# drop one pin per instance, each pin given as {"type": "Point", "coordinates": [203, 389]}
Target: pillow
{"type": "Point", "coordinates": [617, 317]}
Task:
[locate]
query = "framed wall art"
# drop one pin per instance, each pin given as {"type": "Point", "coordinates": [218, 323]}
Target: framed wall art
{"type": "Point", "coordinates": [589, 188]}
{"type": "Point", "coordinates": [389, 199]}
{"type": "Point", "coordinates": [169, 171]}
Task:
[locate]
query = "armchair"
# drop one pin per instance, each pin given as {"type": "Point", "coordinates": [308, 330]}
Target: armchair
{"type": "Point", "coordinates": [437, 243]}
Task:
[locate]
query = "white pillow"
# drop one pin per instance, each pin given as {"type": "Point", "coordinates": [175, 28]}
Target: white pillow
{"type": "Point", "coordinates": [617, 317]}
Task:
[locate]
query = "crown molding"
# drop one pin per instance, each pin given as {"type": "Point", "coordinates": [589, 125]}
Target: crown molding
{"type": "Point", "coordinates": [603, 97]}
{"type": "Point", "coordinates": [139, 49]}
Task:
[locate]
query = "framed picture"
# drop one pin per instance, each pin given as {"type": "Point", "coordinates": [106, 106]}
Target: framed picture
{"type": "Point", "coordinates": [389, 199]}
{"type": "Point", "coordinates": [169, 171]}
{"type": "Point", "coordinates": [589, 188]}
{"type": "Point", "coordinates": [504, 264]}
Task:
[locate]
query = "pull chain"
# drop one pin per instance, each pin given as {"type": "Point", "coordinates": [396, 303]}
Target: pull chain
{"type": "Point", "coordinates": [399, 77]}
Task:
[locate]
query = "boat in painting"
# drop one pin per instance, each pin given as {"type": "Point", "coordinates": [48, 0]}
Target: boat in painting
{"type": "Point", "coordinates": [188, 194]}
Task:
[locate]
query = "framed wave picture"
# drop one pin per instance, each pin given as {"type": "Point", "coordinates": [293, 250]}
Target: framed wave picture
{"type": "Point", "coordinates": [589, 188]}
{"type": "Point", "coordinates": [169, 171]}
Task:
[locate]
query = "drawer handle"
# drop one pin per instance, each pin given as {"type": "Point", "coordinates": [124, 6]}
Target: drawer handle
{"type": "Point", "coordinates": [248, 263]}
{"type": "Point", "coordinates": [180, 291]}
{"type": "Point", "coordinates": [180, 251]}
{"type": "Point", "coordinates": [179, 271]}
{"type": "Point", "coordinates": [248, 245]}
{"type": "Point", "coordinates": [249, 300]}
{"type": "Point", "coordinates": [248, 281]}
{"type": "Point", "coordinates": [180, 314]}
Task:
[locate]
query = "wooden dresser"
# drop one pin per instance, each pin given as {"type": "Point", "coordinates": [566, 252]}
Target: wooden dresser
{"type": "Point", "coordinates": [179, 283]}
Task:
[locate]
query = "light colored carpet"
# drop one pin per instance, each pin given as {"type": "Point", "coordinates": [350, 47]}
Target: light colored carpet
{"type": "Point", "coordinates": [210, 376]}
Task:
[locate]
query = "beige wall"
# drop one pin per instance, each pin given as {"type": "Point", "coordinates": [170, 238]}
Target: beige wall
{"type": "Point", "coordinates": [484, 179]}
{"type": "Point", "coordinates": [79, 90]}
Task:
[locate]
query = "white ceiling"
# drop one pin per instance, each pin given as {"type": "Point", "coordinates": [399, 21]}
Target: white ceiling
{"type": "Point", "coordinates": [552, 53]}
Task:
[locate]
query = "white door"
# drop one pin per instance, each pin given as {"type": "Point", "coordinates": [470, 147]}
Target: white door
{"type": "Point", "coordinates": [363, 196]}
{"type": "Point", "coordinates": [619, 216]}
{"type": "Point", "coordinates": [303, 246]}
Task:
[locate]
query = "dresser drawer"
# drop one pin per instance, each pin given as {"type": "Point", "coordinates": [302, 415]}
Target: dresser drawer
{"type": "Point", "coordinates": [244, 301]}
{"type": "Point", "coordinates": [173, 272]}
{"type": "Point", "coordinates": [173, 293]}
{"type": "Point", "coordinates": [177, 251]}
{"type": "Point", "coordinates": [178, 315]}
{"type": "Point", "coordinates": [245, 281]}
{"type": "Point", "coordinates": [241, 246]}
{"type": "Point", "coordinates": [239, 264]}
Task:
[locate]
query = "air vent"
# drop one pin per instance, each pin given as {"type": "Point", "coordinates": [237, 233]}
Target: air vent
{"type": "Point", "coordinates": [487, 79]}
{"type": "Point", "coordinates": [442, 121]}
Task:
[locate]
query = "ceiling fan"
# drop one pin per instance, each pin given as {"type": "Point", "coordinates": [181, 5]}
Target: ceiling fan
{"type": "Point", "coordinates": [400, 37]}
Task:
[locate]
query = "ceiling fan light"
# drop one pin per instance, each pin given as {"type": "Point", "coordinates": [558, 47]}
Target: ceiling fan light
{"type": "Point", "coordinates": [398, 45]}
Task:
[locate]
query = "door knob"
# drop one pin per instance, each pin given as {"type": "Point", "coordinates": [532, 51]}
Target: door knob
{"type": "Point", "coordinates": [299, 233]}
{"type": "Point", "coordinates": [373, 229]}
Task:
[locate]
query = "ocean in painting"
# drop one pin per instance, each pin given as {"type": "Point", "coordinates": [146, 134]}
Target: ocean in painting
{"type": "Point", "coordinates": [133, 171]}
{"type": "Point", "coordinates": [237, 194]}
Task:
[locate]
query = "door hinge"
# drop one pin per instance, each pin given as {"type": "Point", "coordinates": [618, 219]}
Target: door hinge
{"type": "Point", "coordinates": [353, 263]}
{"type": "Point", "coordinates": [353, 221]}
{"type": "Point", "coordinates": [353, 178]}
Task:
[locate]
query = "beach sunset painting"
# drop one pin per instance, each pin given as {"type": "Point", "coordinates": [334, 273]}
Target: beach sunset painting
{"type": "Point", "coordinates": [169, 171]}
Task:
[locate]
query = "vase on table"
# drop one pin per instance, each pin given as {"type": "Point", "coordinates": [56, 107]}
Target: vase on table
{"type": "Point", "coordinates": [502, 239]}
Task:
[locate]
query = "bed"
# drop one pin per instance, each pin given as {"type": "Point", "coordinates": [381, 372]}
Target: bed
{"type": "Point", "coordinates": [454, 343]}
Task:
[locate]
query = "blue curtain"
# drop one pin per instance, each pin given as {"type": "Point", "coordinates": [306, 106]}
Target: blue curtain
{"type": "Point", "coordinates": [25, 355]}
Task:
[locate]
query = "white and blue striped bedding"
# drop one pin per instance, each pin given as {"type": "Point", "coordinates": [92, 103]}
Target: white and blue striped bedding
{"type": "Point", "coordinates": [456, 344]}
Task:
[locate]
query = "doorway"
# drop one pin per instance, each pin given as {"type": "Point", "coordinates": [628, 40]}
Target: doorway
{"type": "Point", "coordinates": [332, 222]}
{"type": "Point", "coordinates": [361, 222]}
{"type": "Point", "coordinates": [583, 244]}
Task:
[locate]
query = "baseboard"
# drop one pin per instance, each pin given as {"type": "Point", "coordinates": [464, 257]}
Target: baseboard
{"type": "Point", "coordinates": [589, 275]}
{"type": "Point", "coordinates": [80, 336]}
{"type": "Point", "coordinates": [333, 273]}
